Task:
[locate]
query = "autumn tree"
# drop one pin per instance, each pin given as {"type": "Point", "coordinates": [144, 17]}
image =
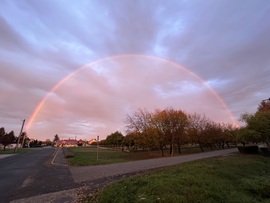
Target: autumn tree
{"type": "Point", "coordinates": [196, 129]}
{"type": "Point", "coordinates": [170, 125]}
{"type": "Point", "coordinates": [129, 140]}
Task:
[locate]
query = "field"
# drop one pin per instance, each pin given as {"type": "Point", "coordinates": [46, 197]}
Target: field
{"type": "Point", "coordinates": [237, 178]}
{"type": "Point", "coordinates": [85, 156]}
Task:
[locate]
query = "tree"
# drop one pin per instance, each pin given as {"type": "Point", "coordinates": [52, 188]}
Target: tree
{"type": "Point", "coordinates": [115, 139]}
{"type": "Point", "coordinates": [2, 132]}
{"type": "Point", "coordinates": [48, 142]}
{"type": "Point", "coordinates": [196, 129]}
{"type": "Point", "coordinates": [264, 106]}
{"type": "Point", "coordinates": [56, 138]}
{"type": "Point", "coordinates": [7, 138]}
{"type": "Point", "coordinates": [258, 123]}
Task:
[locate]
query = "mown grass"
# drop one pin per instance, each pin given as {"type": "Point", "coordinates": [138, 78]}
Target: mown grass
{"type": "Point", "coordinates": [227, 179]}
{"type": "Point", "coordinates": [86, 156]}
{"type": "Point", "coordinates": [11, 151]}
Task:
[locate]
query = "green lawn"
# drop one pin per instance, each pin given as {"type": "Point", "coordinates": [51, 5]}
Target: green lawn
{"type": "Point", "coordinates": [85, 156]}
{"type": "Point", "coordinates": [236, 178]}
{"type": "Point", "coordinates": [11, 151]}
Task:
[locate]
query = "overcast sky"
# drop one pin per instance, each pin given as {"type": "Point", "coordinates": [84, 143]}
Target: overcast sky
{"type": "Point", "coordinates": [77, 68]}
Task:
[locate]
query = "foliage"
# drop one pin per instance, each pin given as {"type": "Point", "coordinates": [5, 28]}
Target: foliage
{"type": "Point", "coordinates": [226, 179]}
{"type": "Point", "coordinates": [115, 139]}
{"type": "Point", "coordinates": [35, 143]}
{"type": "Point", "coordinates": [264, 106]}
{"type": "Point", "coordinates": [56, 138]}
{"type": "Point", "coordinates": [6, 138]}
{"type": "Point", "coordinates": [258, 126]}
{"type": "Point", "coordinates": [245, 135]}
{"type": "Point", "coordinates": [174, 128]}
{"type": "Point", "coordinates": [48, 142]}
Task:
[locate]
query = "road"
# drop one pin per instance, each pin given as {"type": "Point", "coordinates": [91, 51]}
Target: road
{"type": "Point", "coordinates": [30, 174]}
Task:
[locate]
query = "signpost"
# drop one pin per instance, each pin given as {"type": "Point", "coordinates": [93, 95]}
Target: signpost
{"type": "Point", "coordinates": [97, 146]}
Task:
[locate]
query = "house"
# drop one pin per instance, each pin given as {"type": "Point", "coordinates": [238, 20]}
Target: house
{"type": "Point", "coordinates": [92, 141]}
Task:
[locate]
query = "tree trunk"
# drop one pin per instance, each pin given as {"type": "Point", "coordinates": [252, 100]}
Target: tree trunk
{"type": "Point", "coordinates": [162, 152]}
{"type": "Point", "coordinates": [201, 147]}
{"type": "Point", "coordinates": [179, 149]}
{"type": "Point", "coordinates": [171, 149]}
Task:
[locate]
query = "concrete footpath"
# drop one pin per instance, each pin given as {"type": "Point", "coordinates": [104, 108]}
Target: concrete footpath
{"type": "Point", "coordinates": [91, 174]}
{"type": "Point", "coordinates": [2, 156]}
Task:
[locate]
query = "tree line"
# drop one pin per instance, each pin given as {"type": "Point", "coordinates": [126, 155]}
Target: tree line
{"type": "Point", "coordinates": [171, 129]}
{"type": "Point", "coordinates": [7, 138]}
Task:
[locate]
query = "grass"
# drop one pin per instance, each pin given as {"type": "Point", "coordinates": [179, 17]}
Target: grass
{"type": "Point", "coordinates": [227, 179]}
{"type": "Point", "coordinates": [11, 151]}
{"type": "Point", "coordinates": [85, 156]}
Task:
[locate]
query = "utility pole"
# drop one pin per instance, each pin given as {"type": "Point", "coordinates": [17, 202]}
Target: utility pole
{"type": "Point", "coordinates": [15, 149]}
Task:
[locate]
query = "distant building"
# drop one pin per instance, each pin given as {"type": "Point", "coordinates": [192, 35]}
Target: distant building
{"type": "Point", "coordinates": [92, 141]}
{"type": "Point", "coordinates": [66, 143]}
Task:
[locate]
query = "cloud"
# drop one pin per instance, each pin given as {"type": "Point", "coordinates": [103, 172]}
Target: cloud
{"type": "Point", "coordinates": [224, 43]}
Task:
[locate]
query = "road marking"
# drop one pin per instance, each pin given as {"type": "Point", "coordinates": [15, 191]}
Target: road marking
{"type": "Point", "coordinates": [52, 162]}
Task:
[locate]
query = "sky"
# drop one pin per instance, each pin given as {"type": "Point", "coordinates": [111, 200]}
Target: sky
{"type": "Point", "coordinates": [78, 68]}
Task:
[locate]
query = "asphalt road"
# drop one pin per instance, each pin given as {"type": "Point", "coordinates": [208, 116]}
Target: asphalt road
{"type": "Point", "coordinates": [29, 174]}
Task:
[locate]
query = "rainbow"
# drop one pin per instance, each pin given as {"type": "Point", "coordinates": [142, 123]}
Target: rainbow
{"type": "Point", "coordinates": [55, 87]}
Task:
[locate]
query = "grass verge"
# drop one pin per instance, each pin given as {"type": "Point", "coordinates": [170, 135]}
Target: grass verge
{"type": "Point", "coordinates": [11, 151]}
{"type": "Point", "coordinates": [237, 178]}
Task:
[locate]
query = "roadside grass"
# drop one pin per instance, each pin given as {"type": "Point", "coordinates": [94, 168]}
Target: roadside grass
{"type": "Point", "coordinates": [11, 151]}
{"type": "Point", "coordinates": [86, 156]}
{"type": "Point", "coordinates": [236, 178]}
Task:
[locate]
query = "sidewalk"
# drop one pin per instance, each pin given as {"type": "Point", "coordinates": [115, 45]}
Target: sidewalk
{"type": "Point", "coordinates": [2, 156]}
{"type": "Point", "coordinates": [59, 158]}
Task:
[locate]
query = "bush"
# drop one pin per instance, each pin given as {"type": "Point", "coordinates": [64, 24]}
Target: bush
{"type": "Point", "coordinates": [68, 153]}
{"type": "Point", "coordinates": [248, 149]}
{"type": "Point", "coordinates": [265, 151]}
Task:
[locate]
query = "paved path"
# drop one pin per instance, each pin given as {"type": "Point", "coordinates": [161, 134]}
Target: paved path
{"type": "Point", "coordinates": [2, 156]}
{"type": "Point", "coordinates": [89, 175]}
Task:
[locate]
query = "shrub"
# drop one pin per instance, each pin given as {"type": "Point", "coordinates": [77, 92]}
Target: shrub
{"type": "Point", "coordinates": [265, 151]}
{"type": "Point", "coordinates": [248, 149]}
